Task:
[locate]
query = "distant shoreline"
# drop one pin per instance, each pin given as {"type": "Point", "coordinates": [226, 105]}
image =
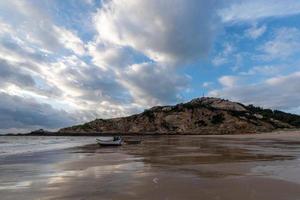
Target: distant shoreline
{"type": "Point", "coordinates": [51, 134]}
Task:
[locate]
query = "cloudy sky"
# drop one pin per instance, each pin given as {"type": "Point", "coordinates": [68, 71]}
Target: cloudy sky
{"type": "Point", "coordinates": [68, 62]}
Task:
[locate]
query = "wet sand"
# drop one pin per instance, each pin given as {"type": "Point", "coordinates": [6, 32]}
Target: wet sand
{"type": "Point", "coordinates": [248, 167]}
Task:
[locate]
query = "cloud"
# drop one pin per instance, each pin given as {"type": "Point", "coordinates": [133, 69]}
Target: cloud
{"type": "Point", "coordinates": [219, 60]}
{"type": "Point", "coordinates": [280, 92]}
{"type": "Point", "coordinates": [89, 2]}
{"type": "Point", "coordinates": [15, 78]}
{"type": "Point", "coordinates": [70, 40]}
{"type": "Point", "coordinates": [267, 70]}
{"type": "Point", "coordinates": [111, 57]}
{"type": "Point", "coordinates": [255, 32]}
{"type": "Point", "coordinates": [36, 27]}
{"type": "Point", "coordinates": [246, 11]}
{"type": "Point", "coordinates": [284, 43]}
{"type": "Point", "coordinates": [9, 74]}
{"type": "Point", "coordinates": [168, 32]}
{"type": "Point", "coordinates": [20, 113]}
{"type": "Point", "coordinates": [84, 83]}
{"type": "Point", "coordinates": [228, 81]}
{"type": "Point", "coordinates": [223, 56]}
{"type": "Point", "coordinates": [144, 42]}
{"type": "Point", "coordinates": [207, 84]}
{"type": "Point", "coordinates": [54, 70]}
{"type": "Point", "coordinates": [14, 48]}
{"type": "Point", "coordinates": [152, 85]}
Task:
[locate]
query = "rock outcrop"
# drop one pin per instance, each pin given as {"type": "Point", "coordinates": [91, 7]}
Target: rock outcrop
{"type": "Point", "coordinates": [199, 116]}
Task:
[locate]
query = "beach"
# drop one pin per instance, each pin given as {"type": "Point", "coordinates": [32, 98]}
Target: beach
{"type": "Point", "coordinates": [258, 166]}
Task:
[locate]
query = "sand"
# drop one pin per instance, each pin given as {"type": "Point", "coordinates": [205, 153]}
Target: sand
{"type": "Point", "coordinates": [264, 166]}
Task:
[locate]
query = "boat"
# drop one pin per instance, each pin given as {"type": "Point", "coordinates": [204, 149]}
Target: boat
{"type": "Point", "coordinates": [110, 141]}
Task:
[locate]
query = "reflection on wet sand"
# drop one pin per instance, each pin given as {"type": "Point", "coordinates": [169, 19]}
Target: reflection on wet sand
{"type": "Point", "coordinates": [164, 167]}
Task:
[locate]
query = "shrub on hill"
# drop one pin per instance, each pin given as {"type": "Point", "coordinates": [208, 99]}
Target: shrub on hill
{"type": "Point", "coordinates": [289, 118]}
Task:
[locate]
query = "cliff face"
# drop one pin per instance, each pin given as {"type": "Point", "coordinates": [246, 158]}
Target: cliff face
{"type": "Point", "coordinates": [199, 116]}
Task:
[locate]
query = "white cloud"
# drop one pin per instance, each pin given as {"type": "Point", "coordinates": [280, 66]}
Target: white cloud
{"type": "Point", "coordinates": [228, 81]}
{"type": "Point", "coordinates": [284, 43]}
{"type": "Point", "coordinates": [245, 10]}
{"type": "Point", "coordinates": [219, 60]}
{"type": "Point", "coordinates": [4, 27]}
{"type": "Point", "coordinates": [255, 32]}
{"type": "Point", "coordinates": [169, 31]}
{"type": "Point", "coordinates": [207, 84]}
{"type": "Point", "coordinates": [69, 40]}
{"type": "Point", "coordinates": [223, 56]}
{"type": "Point", "coordinates": [268, 70]}
{"type": "Point", "coordinates": [280, 92]}
{"type": "Point", "coordinates": [35, 27]}
{"type": "Point", "coordinates": [89, 2]}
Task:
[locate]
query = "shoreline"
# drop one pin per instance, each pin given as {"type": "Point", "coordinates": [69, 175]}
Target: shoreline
{"type": "Point", "coordinates": [50, 134]}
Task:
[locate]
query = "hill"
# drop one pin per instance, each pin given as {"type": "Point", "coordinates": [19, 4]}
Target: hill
{"type": "Point", "coordinates": [200, 116]}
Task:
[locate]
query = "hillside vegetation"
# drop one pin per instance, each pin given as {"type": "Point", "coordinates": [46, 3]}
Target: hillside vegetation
{"type": "Point", "coordinates": [199, 116]}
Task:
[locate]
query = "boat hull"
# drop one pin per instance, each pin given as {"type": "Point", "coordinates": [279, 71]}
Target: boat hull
{"type": "Point", "coordinates": [109, 143]}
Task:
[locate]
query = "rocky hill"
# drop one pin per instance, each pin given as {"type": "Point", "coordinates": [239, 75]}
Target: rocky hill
{"type": "Point", "coordinates": [199, 116]}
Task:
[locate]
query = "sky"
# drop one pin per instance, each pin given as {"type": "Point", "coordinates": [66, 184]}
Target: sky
{"type": "Point", "coordinates": [67, 62]}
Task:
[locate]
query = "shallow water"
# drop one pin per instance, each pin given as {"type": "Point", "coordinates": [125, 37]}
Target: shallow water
{"type": "Point", "coordinates": [11, 145]}
{"type": "Point", "coordinates": [163, 167]}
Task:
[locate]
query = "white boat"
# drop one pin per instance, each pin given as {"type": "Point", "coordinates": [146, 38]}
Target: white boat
{"type": "Point", "coordinates": [110, 141]}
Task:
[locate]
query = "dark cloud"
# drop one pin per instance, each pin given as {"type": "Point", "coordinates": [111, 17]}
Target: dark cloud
{"type": "Point", "coordinates": [11, 74]}
{"type": "Point", "coordinates": [150, 84]}
{"type": "Point", "coordinates": [18, 75]}
{"type": "Point", "coordinates": [18, 112]}
{"type": "Point", "coordinates": [10, 45]}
